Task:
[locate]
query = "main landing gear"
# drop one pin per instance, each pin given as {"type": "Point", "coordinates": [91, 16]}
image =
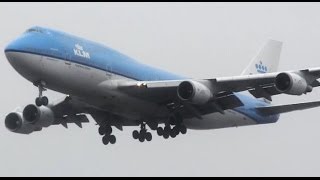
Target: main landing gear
{"type": "Point", "coordinates": [143, 134]}
{"type": "Point", "coordinates": [106, 132]}
{"type": "Point", "coordinates": [169, 131]}
{"type": "Point", "coordinates": [41, 100]}
{"type": "Point", "coordinates": [172, 128]}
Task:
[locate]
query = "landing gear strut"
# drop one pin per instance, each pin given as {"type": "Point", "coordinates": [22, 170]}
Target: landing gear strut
{"type": "Point", "coordinates": [106, 132]}
{"type": "Point", "coordinates": [143, 134]}
{"type": "Point", "coordinates": [41, 100]}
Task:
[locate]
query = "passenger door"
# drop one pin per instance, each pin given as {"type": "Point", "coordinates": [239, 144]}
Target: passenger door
{"type": "Point", "coordinates": [108, 69]}
{"type": "Point", "coordinates": [68, 60]}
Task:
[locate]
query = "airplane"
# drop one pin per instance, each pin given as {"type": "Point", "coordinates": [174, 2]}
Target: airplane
{"type": "Point", "coordinates": [118, 91]}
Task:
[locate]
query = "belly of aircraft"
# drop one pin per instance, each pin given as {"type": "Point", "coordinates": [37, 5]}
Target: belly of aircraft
{"type": "Point", "coordinates": [82, 81]}
{"type": "Point", "coordinates": [216, 121]}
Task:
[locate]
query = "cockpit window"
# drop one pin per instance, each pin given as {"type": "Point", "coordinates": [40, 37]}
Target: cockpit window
{"type": "Point", "coordinates": [34, 30]}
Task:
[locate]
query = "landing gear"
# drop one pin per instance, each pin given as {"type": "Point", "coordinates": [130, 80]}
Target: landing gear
{"type": "Point", "coordinates": [143, 134]}
{"type": "Point", "coordinates": [183, 129]}
{"type": "Point", "coordinates": [109, 139]}
{"type": "Point", "coordinates": [173, 132]}
{"type": "Point", "coordinates": [106, 132]}
{"type": "Point", "coordinates": [160, 131]}
{"type": "Point", "coordinates": [173, 128]}
{"type": "Point", "coordinates": [41, 100]}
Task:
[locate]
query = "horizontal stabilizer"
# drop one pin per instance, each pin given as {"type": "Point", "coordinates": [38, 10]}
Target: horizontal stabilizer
{"type": "Point", "coordinates": [273, 110]}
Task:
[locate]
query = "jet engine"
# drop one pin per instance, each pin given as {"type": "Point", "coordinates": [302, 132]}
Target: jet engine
{"type": "Point", "coordinates": [32, 119]}
{"type": "Point", "coordinates": [15, 123]}
{"type": "Point", "coordinates": [291, 83]}
{"type": "Point", "coordinates": [194, 92]}
{"type": "Point", "coordinates": [38, 116]}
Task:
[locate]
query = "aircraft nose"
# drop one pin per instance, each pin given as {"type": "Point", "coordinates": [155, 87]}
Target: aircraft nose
{"type": "Point", "coordinates": [14, 54]}
{"type": "Point", "coordinates": [25, 63]}
{"type": "Point", "coordinates": [9, 50]}
{"type": "Point", "coordinates": [18, 45]}
{"type": "Point", "coordinates": [13, 46]}
{"type": "Point", "coordinates": [6, 49]}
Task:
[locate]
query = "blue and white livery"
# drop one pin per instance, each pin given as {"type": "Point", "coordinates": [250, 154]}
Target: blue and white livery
{"type": "Point", "coordinates": [118, 91]}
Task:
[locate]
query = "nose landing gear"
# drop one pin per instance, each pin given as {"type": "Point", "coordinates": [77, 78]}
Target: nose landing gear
{"type": "Point", "coordinates": [41, 100]}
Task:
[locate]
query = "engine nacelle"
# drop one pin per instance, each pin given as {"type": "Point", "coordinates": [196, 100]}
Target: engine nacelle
{"type": "Point", "coordinates": [38, 116]}
{"type": "Point", "coordinates": [291, 83]}
{"type": "Point", "coordinates": [15, 123]}
{"type": "Point", "coordinates": [194, 92]}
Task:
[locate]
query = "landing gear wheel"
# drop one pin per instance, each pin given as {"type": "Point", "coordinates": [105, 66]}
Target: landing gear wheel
{"type": "Point", "coordinates": [176, 130]}
{"type": "Point", "coordinates": [167, 130]}
{"type": "Point", "coordinates": [112, 139]}
{"type": "Point", "coordinates": [108, 130]}
{"type": "Point", "coordinates": [102, 130]}
{"type": "Point", "coordinates": [44, 101]}
{"type": "Point", "coordinates": [143, 135]}
{"type": "Point", "coordinates": [141, 138]}
{"type": "Point", "coordinates": [166, 135]}
{"type": "Point", "coordinates": [135, 134]}
{"type": "Point", "coordinates": [160, 131]}
{"type": "Point", "coordinates": [105, 130]}
{"type": "Point", "coordinates": [173, 133]}
{"type": "Point", "coordinates": [183, 129]}
{"type": "Point", "coordinates": [148, 136]}
{"type": "Point", "coordinates": [38, 102]}
{"type": "Point", "coordinates": [105, 140]}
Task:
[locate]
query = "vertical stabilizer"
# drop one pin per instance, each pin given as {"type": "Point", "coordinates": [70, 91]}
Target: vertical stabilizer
{"type": "Point", "coordinates": [267, 59]}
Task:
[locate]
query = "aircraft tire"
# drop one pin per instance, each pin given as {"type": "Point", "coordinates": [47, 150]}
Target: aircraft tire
{"type": "Point", "coordinates": [102, 130]}
{"type": "Point", "coordinates": [38, 102]}
{"type": "Point", "coordinates": [112, 139]}
{"type": "Point", "coordinates": [183, 129]}
{"type": "Point", "coordinates": [44, 100]}
{"type": "Point", "coordinates": [160, 131]}
{"type": "Point", "coordinates": [135, 134]}
{"type": "Point", "coordinates": [148, 136]}
{"type": "Point", "coordinates": [105, 140]}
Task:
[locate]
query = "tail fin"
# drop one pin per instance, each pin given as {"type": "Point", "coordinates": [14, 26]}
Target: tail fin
{"type": "Point", "coordinates": [267, 60]}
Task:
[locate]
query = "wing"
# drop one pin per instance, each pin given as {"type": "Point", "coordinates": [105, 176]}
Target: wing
{"type": "Point", "coordinates": [222, 89]}
{"type": "Point", "coordinates": [253, 83]}
{"type": "Point", "coordinates": [69, 110]}
{"type": "Point", "coordinates": [74, 110]}
{"type": "Point", "coordinates": [264, 85]}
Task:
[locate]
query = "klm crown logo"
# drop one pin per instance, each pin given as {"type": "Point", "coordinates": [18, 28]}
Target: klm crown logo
{"type": "Point", "coordinates": [261, 68]}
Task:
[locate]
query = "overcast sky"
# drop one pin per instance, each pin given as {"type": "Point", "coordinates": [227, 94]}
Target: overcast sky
{"type": "Point", "coordinates": [199, 40]}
